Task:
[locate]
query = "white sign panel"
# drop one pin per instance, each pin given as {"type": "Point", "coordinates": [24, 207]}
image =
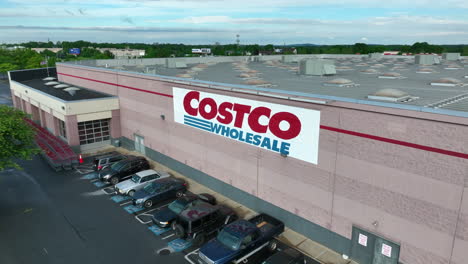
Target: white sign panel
{"type": "Point", "coordinates": [288, 130]}
{"type": "Point", "coordinates": [362, 240]}
{"type": "Point", "coordinates": [386, 250]}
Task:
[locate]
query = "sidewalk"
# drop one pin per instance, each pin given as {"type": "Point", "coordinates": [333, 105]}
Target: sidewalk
{"type": "Point", "coordinates": [308, 247]}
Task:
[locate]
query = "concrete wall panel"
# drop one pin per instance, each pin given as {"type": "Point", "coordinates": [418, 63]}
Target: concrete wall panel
{"type": "Point", "coordinates": [459, 251]}
{"type": "Point", "coordinates": [443, 135]}
{"type": "Point", "coordinates": [50, 122]}
{"type": "Point", "coordinates": [432, 165]}
{"type": "Point", "coordinates": [399, 181]}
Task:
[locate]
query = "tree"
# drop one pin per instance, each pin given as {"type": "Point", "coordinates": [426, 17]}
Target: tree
{"type": "Point", "coordinates": [16, 138]}
{"type": "Point", "coordinates": [465, 51]}
{"type": "Point", "coordinates": [361, 48]}
{"type": "Point", "coordinates": [6, 67]}
{"type": "Point", "coordinates": [269, 47]}
{"type": "Point", "coordinates": [48, 53]}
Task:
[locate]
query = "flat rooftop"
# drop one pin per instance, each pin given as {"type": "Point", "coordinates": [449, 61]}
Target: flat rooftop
{"type": "Point", "coordinates": [441, 86]}
{"type": "Point", "coordinates": [367, 77]}
{"type": "Point", "coordinates": [34, 79]}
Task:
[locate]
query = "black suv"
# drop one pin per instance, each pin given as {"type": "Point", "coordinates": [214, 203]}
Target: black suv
{"type": "Point", "coordinates": [123, 169]}
{"type": "Point", "coordinates": [164, 216]}
{"type": "Point", "coordinates": [102, 161]}
{"type": "Point", "coordinates": [199, 222]}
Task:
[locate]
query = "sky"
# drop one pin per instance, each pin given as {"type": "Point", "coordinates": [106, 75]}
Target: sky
{"type": "Point", "coordinates": [255, 21]}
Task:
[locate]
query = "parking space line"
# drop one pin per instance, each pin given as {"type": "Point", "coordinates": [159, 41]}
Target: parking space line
{"type": "Point", "coordinates": [158, 230]}
{"type": "Point", "coordinates": [120, 198]}
{"type": "Point", "coordinates": [95, 180]}
{"type": "Point", "coordinates": [166, 237]}
{"type": "Point", "coordinates": [100, 184]}
{"type": "Point", "coordinates": [108, 193]}
{"type": "Point", "coordinates": [139, 220]}
{"type": "Point", "coordinates": [132, 209]}
{"type": "Point", "coordinates": [191, 253]}
{"type": "Point", "coordinates": [154, 209]}
{"type": "Point", "coordinates": [122, 204]}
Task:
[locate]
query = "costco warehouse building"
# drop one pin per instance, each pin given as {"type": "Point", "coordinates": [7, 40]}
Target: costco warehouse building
{"type": "Point", "coordinates": [368, 157]}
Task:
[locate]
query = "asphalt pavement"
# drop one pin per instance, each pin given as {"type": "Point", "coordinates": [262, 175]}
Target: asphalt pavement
{"type": "Point", "coordinates": [57, 217]}
{"type": "Point", "coordinates": [5, 94]}
{"type": "Point", "coordinates": [67, 217]}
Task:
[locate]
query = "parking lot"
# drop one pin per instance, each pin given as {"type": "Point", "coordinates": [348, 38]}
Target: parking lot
{"type": "Point", "coordinates": [5, 94]}
{"type": "Point", "coordinates": [72, 217]}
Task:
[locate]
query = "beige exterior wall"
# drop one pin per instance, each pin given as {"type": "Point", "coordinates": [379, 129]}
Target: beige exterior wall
{"type": "Point", "coordinates": [94, 116]}
{"type": "Point", "coordinates": [38, 97]}
{"type": "Point", "coordinates": [49, 109]}
{"type": "Point", "coordinates": [63, 108]}
{"type": "Point", "coordinates": [92, 106]}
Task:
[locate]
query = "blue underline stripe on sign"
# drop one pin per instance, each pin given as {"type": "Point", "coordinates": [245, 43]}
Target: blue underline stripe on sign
{"type": "Point", "coordinates": [198, 123]}
{"type": "Point", "coordinates": [197, 126]}
{"type": "Point", "coordinates": [191, 118]}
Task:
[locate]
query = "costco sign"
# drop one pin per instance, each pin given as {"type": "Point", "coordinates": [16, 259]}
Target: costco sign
{"type": "Point", "coordinates": [288, 130]}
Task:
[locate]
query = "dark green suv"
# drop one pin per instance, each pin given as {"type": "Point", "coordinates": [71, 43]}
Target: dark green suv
{"type": "Point", "coordinates": [200, 222]}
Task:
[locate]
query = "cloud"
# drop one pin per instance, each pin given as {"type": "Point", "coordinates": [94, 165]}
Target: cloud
{"type": "Point", "coordinates": [379, 21]}
{"type": "Point", "coordinates": [227, 19]}
{"type": "Point", "coordinates": [364, 39]}
{"type": "Point", "coordinates": [127, 20]}
{"type": "Point", "coordinates": [113, 29]}
{"type": "Point", "coordinates": [69, 12]}
{"type": "Point", "coordinates": [246, 4]}
{"type": "Point", "coordinates": [259, 21]}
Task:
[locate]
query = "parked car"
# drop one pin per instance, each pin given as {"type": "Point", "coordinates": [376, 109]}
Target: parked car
{"type": "Point", "coordinates": [159, 191]}
{"type": "Point", "coordinates": [102, 161]}
{"type": "Point", "coordinates": [241, 239]}
{"type": "Point", "coordinates": [123, 169]}
{"type": "Point", "coordinates": [139, 180]}
{"type": "Point", "coordinates": [165, 216]}
{"type": "Point", "coordinates": [198, 222]}
{"type": "Point", "coordinates": [286, 256]}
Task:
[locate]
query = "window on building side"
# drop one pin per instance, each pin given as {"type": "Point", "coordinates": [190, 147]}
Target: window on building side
{"type": "Point", "coordinates": [94, 131]}
{"type": "Point", "coordinates": [62, 130]}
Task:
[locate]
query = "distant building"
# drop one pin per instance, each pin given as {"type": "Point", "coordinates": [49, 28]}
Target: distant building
{"type": "Point", "coordinates": [278, 51]}
{"type": "Point", "coordinates": [391, 52]}
{"type": "Point", "coordinates": [202, 51]}
{"type": "Point", "coordinates": [124, 53]}
{"type": "Point", "coordinates": [15, 47]}
{"type": "Point", "coordinates": [39, 50]}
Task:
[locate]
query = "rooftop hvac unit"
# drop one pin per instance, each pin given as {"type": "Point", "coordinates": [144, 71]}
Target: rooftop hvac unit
{"type": "Point", "coordinates": [451, 56]}
{"type": "Point", "coordinates": [426, 59]}
{"type": "Point", "coordinates": [175, 64]}
{"type": "Point", "coordinates": [288, 59]}
{"type": "Point", "coordinates": [375, 56]}
{"type": "Point", "coordinates": [317, 67]}
{"type": "Point", "coordinates": [257, 59]}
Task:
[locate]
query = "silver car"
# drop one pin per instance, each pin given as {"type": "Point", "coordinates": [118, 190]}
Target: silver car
{"type": "Point", "coordinates": [139, 180]}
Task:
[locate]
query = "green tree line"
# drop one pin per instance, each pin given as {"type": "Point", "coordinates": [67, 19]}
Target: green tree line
{"type": "Point", "coordinates": [26, 58]}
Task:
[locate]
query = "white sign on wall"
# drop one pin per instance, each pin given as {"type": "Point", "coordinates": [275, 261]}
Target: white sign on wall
{"type": "Point", "coordinates": [386, 250]}
{"type": "Point", "coordinates": [362, 240]}
{"type": "Point", "coordinates": [288, 130]}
